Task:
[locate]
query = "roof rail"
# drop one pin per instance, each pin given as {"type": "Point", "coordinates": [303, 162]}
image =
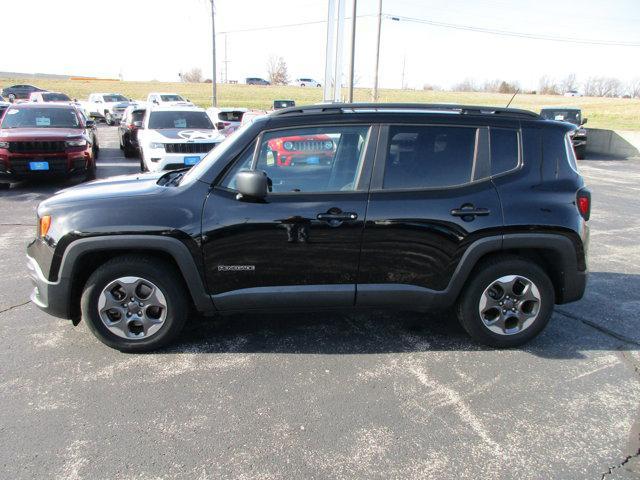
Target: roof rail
{"type": "Point", "coordinates": [436, 107]}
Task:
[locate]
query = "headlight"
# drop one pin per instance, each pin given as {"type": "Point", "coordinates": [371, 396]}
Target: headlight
{"type": "Point", "coordinates": [328, 145]}
{"type": "Point", "coordinates": [4, 144]}
{"type": "Point", "coordinates": [582, 131]}
{"type": "Point", "coordinates": [288, 145]}
{"type": "Point", "coordinates": [156, 145]}
{"type": "Point", "coordinates": [81, 142]}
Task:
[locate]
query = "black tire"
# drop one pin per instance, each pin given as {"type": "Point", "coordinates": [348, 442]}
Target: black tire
{"type": "Point", "coordinates": [487, 272]}
{"type": "Point", "coordinates": [581, 153]}
{"type": "Point", "coordinates": [108, 119]}
{"type": "Point", "coordinates": [143, 167]}
{"type": "Point", "coordinates": [129, 151]}
{"type": "Point", "coordinates": [12, 97]}
{"type": "Point", "coordinates": [159, 273]}
{"type": "Point", "coordinates": [91, 171]}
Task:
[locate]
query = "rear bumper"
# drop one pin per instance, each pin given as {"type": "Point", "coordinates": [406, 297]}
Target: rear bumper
{"type": "Point", "coordinates": [51, 297]}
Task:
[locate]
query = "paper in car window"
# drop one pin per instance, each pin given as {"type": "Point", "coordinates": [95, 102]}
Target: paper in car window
{"type": "Point", "coordinates": [13, 111]}
{"type": "Point", "coordinates": [180, 123]}
{"type": "Point", "coordinates": [559, 117]}
{"type": "Point", "coordinates": [43, 121]}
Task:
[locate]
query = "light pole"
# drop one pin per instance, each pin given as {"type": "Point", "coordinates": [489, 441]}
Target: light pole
{"type": "Point", "coordinates": [353, 51]}
{"type": "Point", "coordinates": [214, 95]}
{"type": "Point", "coordinates": [374, 94]}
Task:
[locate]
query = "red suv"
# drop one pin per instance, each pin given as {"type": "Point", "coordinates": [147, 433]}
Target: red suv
{"type": "Point", "coordinates": [306, 149]}
{"type": "Point", "coordinates": [46, 140]}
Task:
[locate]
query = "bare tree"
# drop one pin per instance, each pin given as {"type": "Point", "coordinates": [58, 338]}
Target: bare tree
{"type": "Point", "coordinates": [634, 88]}
{"type": "Point", "coordinates": [192, 76]}
{"type": "Point", "coordinates": [467, 85]}
{"type": "Point", "coordinates": [568, 83]}
{"type": "Point", "coordinates": [548, 86]}
{"type": "Point", "coordinates": [508, 87]}
{"type": "Point", "coordinates": [602, 87]}
{"type": "Point", "coordinates": [277, 70]}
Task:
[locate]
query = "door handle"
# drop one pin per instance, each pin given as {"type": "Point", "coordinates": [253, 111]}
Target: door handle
{"type": "Point", "coordinates": [468, 212]}
{"type": "Point", "coordinates": [343, 216]}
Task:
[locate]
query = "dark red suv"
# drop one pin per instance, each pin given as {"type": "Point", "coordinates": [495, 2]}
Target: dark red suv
{"type": "Point", "coordinates": [46, 140]}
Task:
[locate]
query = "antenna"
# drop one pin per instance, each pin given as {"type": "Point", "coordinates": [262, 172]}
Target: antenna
{"type": "Point", "coordinates": [514, 96]}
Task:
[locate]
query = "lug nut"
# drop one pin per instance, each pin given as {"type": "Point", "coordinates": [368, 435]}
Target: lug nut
{"type": "Point", "coordinates": [128, 314]}
{"type": "Point", "coordinates": [132, 299]}
{"type": "Point", "coordinates": [504, 311]}
{"type": "Point", "coordinates": [139, 312]}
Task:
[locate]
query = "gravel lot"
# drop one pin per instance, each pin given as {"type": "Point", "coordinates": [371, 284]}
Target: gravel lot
{"type": "Point", "coordinates": [349, 396]}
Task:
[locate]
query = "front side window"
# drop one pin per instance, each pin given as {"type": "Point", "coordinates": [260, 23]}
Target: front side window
{"type": "Point", "coordinates": [40, 118]}
{"type": "Point", "coordinates": [320, 159]}
{"type": "Point", "coordinates": [504, 150]}
{"type": "Point", "coordinates": [180, 119]}
{"type": "Point", "coordinates": [429, 156]}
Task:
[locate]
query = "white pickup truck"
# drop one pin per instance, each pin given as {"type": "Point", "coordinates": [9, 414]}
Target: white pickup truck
{"type": "Point", "coordinates": [108, 106]}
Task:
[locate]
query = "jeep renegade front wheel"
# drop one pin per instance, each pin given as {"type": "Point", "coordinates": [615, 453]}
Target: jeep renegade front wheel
{"type": "Point", "coordinates": [134, 304]}
{"type": "Point", "coordinates": [507, 302]}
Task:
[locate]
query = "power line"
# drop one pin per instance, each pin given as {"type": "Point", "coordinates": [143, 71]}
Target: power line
{"type": "Point", "coordinates": [508, 33]}
{"type": "Point", "coordinates": [287, 25]}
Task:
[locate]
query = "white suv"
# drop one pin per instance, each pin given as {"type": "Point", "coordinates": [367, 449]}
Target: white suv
{"type": "Point", "coordinates": [168, 99]}
{"type": "Point", "coordinates": [175, 137]}
{"type": "Point", "coordinates": [306, 82]}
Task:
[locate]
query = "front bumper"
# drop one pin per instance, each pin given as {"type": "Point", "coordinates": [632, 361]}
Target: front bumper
{"type": "Point", "coordinates": [51, 297]}
{"type": "Point", "coordinates": [16, 167]}
{"type": "Point", "coordinates": [160, 160]}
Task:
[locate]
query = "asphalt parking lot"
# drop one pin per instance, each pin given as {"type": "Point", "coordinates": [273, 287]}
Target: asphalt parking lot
{"type": "Point", "coordinates": [371, 396]}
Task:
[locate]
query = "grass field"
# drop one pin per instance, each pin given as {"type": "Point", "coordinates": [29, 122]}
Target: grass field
{"type": "Point", "coordinates": [609, 113]}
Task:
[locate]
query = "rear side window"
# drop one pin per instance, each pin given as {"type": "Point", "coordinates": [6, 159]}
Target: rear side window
{"type": "Point", "coordinates": [137, 115]}
{"type": "Point", "coordinates": [429, 156]}
{"type": "Point", "coordinates": [234, 116]}
{"type": "Point", "coordinates": [505, 150]}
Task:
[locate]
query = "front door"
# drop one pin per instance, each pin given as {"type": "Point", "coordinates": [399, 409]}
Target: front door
{"type": "Point", "coordinates": [300, 247]}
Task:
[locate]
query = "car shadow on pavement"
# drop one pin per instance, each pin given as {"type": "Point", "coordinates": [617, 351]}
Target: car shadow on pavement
{"type": "Point", "coordinates": [379, 332]}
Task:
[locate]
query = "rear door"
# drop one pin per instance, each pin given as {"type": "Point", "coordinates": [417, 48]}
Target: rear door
{"type": "Point", "coordinates": [431, 197]}
{"type": "Point", "coordinates": [300, 247]}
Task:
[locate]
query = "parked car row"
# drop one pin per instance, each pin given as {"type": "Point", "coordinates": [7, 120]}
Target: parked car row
{"type": "Point", "coordinates": [298, 82]}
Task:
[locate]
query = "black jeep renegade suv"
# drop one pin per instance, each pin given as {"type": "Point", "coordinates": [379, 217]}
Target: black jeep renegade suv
{"type": "Point", "coordinates": [417, 207]}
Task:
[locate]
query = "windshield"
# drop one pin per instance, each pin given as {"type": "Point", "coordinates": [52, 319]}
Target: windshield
{"type": "Point", "coordinates": [40, 118]}
{"type": "Point", "coordinates": [212, 157]}
{"type": "Point", "coordinates": [571, 116]}
{"type": "Point", "coordinates": [234, 116]}
{"type": "Point", "coordinates": [180, 119]}
{"type": "Point", "coordinates": [115, 98]}
{"type": "Point", "coordinates": [55, 97]}
{"type": "Point", "coordinates": [171, 98]}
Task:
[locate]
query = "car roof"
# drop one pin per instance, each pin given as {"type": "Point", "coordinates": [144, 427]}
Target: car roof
{"type": "Point", "coordinates": [177, 108]}
{"type": "Point", "coordinates": [164, 93]}
{"type": "Point", "coordinates": [561, 108]}
{"type": "Point", "coordinates": [382, 108]}
{"type": "Point", "coordinates": [43, 105]}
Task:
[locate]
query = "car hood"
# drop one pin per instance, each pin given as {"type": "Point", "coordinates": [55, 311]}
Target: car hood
{"type": "Point", "coordinates": [114, 187]}
{"type": "Point", "coordinates": [195, 135]}
{"type": "Point", "coordinates": [39, 133]}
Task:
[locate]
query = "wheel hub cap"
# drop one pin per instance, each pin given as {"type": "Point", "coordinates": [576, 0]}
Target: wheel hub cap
{"type": "Point", "coordinates": [132, 308]}
{"type": "Point", "coordinates": [509, 305]}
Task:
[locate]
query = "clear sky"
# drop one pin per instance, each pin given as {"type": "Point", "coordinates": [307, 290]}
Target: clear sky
{"type": "Point", "coordinates": [156, 39]}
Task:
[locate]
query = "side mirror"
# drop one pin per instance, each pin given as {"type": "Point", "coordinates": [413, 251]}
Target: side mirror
{"type": "Point", "coordinates": [219, 126]}
{"type": "Point", "coordinates": [155, 101]}
{"type": "Point", "coordinates": [584, 120]}
{"type": "Point", "coordinates": [137, 124]}
{"type": "Point", "coordinates": [252, 184]}
{"type": "Point", "coordinates": [90, 123]}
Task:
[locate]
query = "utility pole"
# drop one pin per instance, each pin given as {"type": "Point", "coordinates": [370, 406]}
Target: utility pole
{"type": "Point", "coordinates": [374, 94]}
{"type": "Point", "coordinates": [226, 62]}
{"type": "Point", "coordinates": [353, 51]}
{"type": "Point", "coordinates": [214, 95]}
{"type": "Point", "coordinates": [329, 55]}
{"type": "Point", "coordinates": [404, 61]}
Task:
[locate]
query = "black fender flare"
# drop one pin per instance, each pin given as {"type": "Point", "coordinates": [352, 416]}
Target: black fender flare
{"type": "Point", "coordinates": [141, 243]}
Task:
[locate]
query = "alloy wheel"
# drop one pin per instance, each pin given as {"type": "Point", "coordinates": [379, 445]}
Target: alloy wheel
{"type": "Point", "coordinates": [509, 305]}
{"type": "Point", "coordinates": [132, 308]}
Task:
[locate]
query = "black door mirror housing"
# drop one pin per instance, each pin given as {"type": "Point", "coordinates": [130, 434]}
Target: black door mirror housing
{"type": "Point", "coordinates": [584, 120]}
{"type": "Point", "coordinates": [252, 184]}
{"type": "Point", "coordinates": [137, 124]}
{"type": "Point", "coordinates": [90, 123]}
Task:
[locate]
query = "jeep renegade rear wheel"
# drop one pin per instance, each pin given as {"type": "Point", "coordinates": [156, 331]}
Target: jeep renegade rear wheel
{"type": "Point", "coordinates": [507, 302]}
{"type": "Point", "coordinates": [132, 303]}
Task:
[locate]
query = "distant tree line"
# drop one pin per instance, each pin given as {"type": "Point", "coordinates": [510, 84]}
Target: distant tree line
{"type": "Point", "coordinates": [595, 86]}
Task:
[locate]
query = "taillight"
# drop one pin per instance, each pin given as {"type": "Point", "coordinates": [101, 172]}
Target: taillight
{"type": "Point", "coordinates": [583, 202]}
